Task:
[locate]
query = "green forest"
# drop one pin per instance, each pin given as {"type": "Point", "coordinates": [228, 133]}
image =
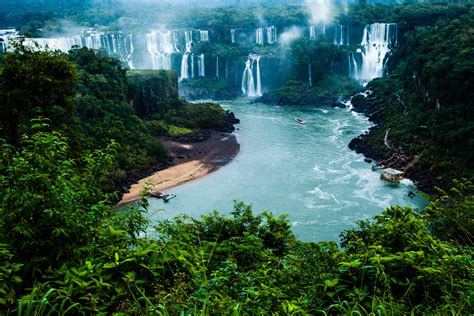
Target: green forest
{"type": "Point", "coordinates": [77, 128]}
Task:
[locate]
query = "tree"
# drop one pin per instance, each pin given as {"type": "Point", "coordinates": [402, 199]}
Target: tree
{"type": "Point", "coordinates": [34, 83]}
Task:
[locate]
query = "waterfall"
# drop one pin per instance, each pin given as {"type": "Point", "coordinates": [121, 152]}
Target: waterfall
{"type": "Point", "coordinates": [204, 36]}
{"type": "Point", "coordinates": [5, 37]}
{"type": "Point", "coordinates": [341, 31]}
{"type": "Point", "coordinates": [259, 36]}
{"type": "Point", "coordinates": [188, 37]}
{"type": "Point", "coordinates": [312, 32]}
{"type": "Point", "coordinates": [217, 67]}
{"type": "Point", "coordinates": [192, 66]}
{"type": "Point", "coordinates": [310, 76]}
{"type": "Point", "coordinates": [232, 36]}
{"type": "Point", "coordinates": [227, 68]}
{"type": "Point", "coordinates": [130, 52]}
{"type": "Point", "coordinates": [63, 44]}
{"type": "Point", "coordinates": [335, 35]}
{"type": "Point", "coordinates": [160, 46]}
{"type": "Point", "coordinates": [201, 66]}
{"type": "Point", "coordinates": [248, 87]}
{"type": "Point", "coordinates": [347, 35]}
{"type": "Point", "coordinates": [259, 81]}
{"type": "Point", "coordinates": [248, 82]}
{"type": "Point", "coordinates": [377, 42]}
{"type": "Point", "coordinates": [271, 35]}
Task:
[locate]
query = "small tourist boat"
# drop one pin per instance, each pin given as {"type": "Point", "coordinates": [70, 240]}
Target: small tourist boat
{"type": "Point", "coordinates": [158, 195]}
{"type": "Point", "coordinates": [300, 121]}
{"type": "Point", "coordinates": [168, 196]}
{"type": "Point", "coordinates": [392, 175]}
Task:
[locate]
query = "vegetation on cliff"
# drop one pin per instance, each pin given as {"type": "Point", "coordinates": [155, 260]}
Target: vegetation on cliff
{"type": "Point", "coordinates": [89, 98]}
{"type": "Point", "coordinates": [426, 102]}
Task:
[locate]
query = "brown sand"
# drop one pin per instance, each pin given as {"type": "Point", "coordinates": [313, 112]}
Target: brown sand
{"type": "Point", "coordinates": [190, 162]}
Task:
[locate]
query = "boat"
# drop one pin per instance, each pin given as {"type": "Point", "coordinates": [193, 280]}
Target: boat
{"type": "Point", "coordinates": [158, 195]}
{"type": "Point", "coordinates": [300, 121]}
{"type": "Point", "coordinates": [392, 175]}
{"type": "Point", "coordinates": [168, 196]}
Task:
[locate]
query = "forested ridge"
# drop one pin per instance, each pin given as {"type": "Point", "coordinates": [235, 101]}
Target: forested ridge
{"type": "Point", "coordinates": [75, 126]}
{"type": "Point", "coordinates": [424, 105]}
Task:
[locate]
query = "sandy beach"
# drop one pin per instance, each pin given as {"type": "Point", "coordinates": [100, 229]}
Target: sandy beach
{"type": "Point", "coordinates": [190, 161]}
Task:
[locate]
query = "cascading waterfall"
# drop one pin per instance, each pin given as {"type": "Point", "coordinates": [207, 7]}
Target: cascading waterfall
{"type": "Point", "coordinates": [259, 80]}
{"type": "Point", "coordinates": [347, 35]}
{"type": "Point", "coordinates": [317, 32]}
{"type": "Point", "coordinates": [341, 35]}
{"type": "Point", "coordinates": [5, 37]}
{"type": "Point", "coordinates": [232, 36]}
{"type": "Point", "coordinates": [248, 82]}
{"type": "Point", "coordinates": [271, 35]}
{"type": "Point", "coordinates": [192, 66]}
{"type": "Point", "coordinates": [63, 44]}
{"type": "Point", "coordinates": [312, 32]}
{"type": "Point", "coordinates": [188, 37]}
{"type": "Point", "coordinates": [259, 36]}
{"type": "Point", "coordinates": [377, 41]}
{"type": "Point", "coordinates": [204, 36]}
{"type": "Point", "coordinates": [201, 66]}
{"type": "Point", "coordinates": [310, 75]}
{"type": "Point", "coordinates": [341, 38]}
{"type": "Point", "coordinates": [353, 67]}
{"type": "Point", "coordinates": [160, 46]}
{"type": "Point", "coordinates": [217, 67]}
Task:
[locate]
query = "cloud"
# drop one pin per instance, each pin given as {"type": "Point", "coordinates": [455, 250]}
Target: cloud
{"type": "Point", "coordinates": [290, 35]}
{"type": "Point", "coordinates": [321, 11]}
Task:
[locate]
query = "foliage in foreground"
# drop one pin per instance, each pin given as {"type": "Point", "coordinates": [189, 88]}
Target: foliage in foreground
{"type": "Point", "coordinates": [63, 250]}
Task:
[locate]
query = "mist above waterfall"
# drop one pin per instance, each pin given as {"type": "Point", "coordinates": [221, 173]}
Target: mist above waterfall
{"type": "Point", "coordinates": [321, 11]}
{"type": "Point", "coordinates": [290, 35]}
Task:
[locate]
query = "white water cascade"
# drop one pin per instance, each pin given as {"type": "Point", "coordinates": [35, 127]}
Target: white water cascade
{"type": "Point", "coordinates": [248, 82]}
{"type": "Point", "coordinates": [201, 66]}
{"type": "Point", "coordinates": [204, 36]}
{"type": "Point", "coordinates": [63, 44]}
{"type": "Point", "coordinates": [160, 46]}
{"type": "Point", "coordinates": [217, 67]}
{"type": "Point", "coordinates": [259, 36]}
{"type": "Point", "coordinates": [317, 32]}
{"type": "Point", "coordinates": [5, 36]}
{"type": "Point", "coordinates": [310, 75]}
{"type": "Point", "coordinates": [232, 36]}
{"type": "Point", "coordinates": [312, 32]}
{"type": "Point", "coordinates": [341, 35]}
{"type": "Point", "coordinates": [377, 41]}
{"type": "Point", "coordinates": [188, 37]}
{"type": "Point", "coordinates": [353, 68]}
{"type": "Point", "coordinates": [271, 35]}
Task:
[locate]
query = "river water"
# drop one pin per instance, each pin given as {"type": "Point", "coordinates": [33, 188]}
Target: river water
{"type": "Point", "coordinates": [305, 171]}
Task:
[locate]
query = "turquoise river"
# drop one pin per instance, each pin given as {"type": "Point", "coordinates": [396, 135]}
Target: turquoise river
{"type": "Point", "coordinates": [305, 171]}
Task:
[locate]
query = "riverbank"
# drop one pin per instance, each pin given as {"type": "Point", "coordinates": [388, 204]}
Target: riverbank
{"type": "Point", "coordinates": [372, 145]}
{"type": "Point", "coordinates": [191, 161]}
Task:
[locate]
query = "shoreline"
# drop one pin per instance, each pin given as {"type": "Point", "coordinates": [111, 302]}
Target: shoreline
{"type": "Point", "coordinates": [191, 161]}
{"type": "Point", "coordinates": [425, 180]}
